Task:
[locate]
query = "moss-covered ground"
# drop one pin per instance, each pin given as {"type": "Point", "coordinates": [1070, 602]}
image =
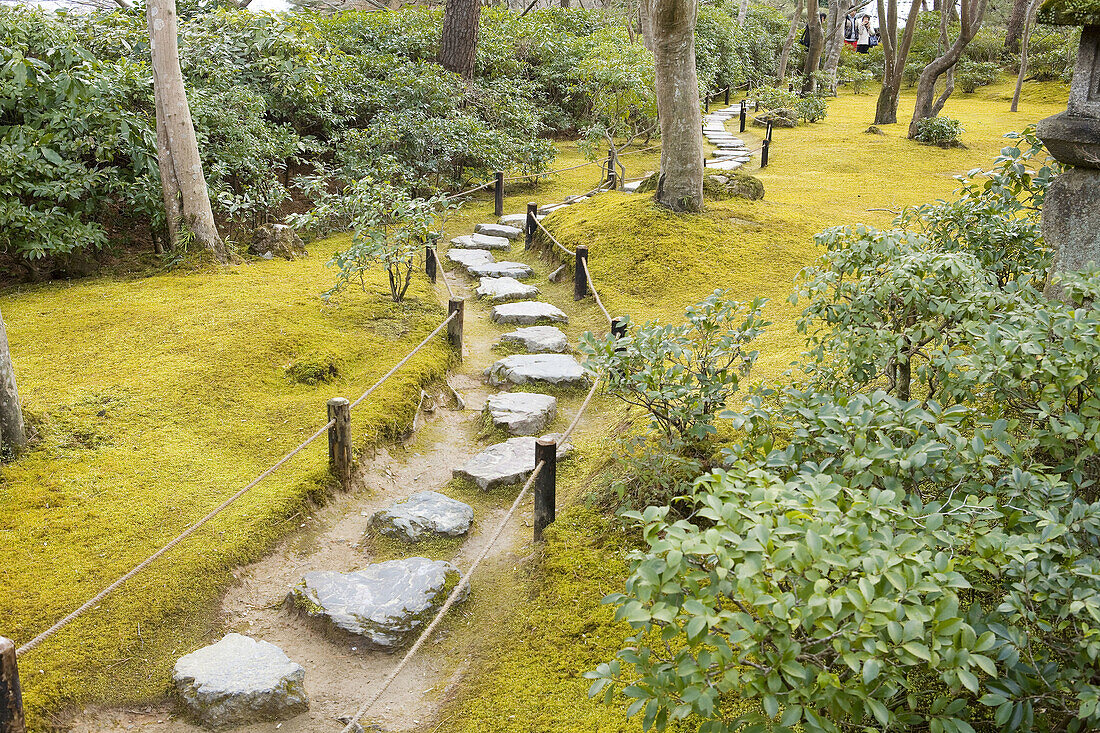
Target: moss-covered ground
{"type": "Point", "coordinates": [651, 264]}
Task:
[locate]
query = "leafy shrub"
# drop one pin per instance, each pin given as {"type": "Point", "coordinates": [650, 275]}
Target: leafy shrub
{"type": "Point", "coordinates": [939, 131]}
{"type": "Point", "coordinates": [1053, 54]}
{"type": "Point", "coordinates": [812, 108]}
{"type": "Point", "coordinates": [857, 79]}
{"type": "Point", "coordinates": [973, 74]}
{"type": "Point", "coordinates": [775, 98]}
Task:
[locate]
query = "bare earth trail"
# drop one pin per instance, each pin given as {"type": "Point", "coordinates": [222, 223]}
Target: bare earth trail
{"type": "Point", "coordinates": [339, 676]}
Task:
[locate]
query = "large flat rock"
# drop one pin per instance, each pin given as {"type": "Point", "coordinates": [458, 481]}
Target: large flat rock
{"type": "Point", "coordinates": [504, 289]}
{"type": "Point", "coordinates": [522, 413]}
{"type": "Point", "coordinates": [521, 369]}
{"type": "Point", "coordinates": [424, 515]}
{"type": "Point", "coordinates": [503, 464]}
{"type": "Point", "coordinates": [499, 230]}
{"type": "Point", "coordinates": [469, 257]}
{"type": "Point", "coordinates": [538, 339]}
{"type": "Point", "coordinates": [516, 270]}
{"type": "Point", "coordinates": [527, 313]}
{"type": "Point", "coordinates": [385, 603]}
{"type": "Point", "coordinates": [240, 680]}
{"type": "Point", "coordinates": [481, 241]}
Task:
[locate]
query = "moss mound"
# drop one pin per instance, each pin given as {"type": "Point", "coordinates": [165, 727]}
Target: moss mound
{"type": "Point", "coordinates": [721, 186]}
{"type": "Point", "coordinates": [313, 369]}
{"type": "Point", "coordinates": [1069, 12]}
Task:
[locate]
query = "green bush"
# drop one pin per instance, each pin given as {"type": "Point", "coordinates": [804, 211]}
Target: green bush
{"type": "Point", "coordinates": [812, 108]}
{"type": "Point", "coordinates": [970, 75]}
{"type": "Point", "coordinates": [939, 131]}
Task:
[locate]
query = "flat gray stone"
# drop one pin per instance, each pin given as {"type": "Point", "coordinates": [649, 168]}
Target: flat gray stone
{"type": "Point", "coordinates": [725, 165]}
{"type": "Point", "coordinates": [522, 413]}
{"type": "Point", "coordinates": [240, 680]}
{"type": "Point", "coordinates": [423, 515]}
{"type": "Point", "coordinates": [538, 339]}
{"type": "Point", "coordinates": [481, 241]}
{"type": "Point", "coordinates": [504, 289]}
{"type": "Point", "coordinates": [517, 270]}
{"type": "Point", "coordinates": [519, 221]}
{"type": "Point", "coordinates": [631, 187]}
{"type": "Point", "coordinates": [510, 462]}
{"type": "Point", "coordinates": [559, 369]}
{"type": "Point", "coordinates": [469, 257]}
{"type": "Point", "coordinates": [499, 230]}
{"type": "Point", "coordinates": [385, 603]}
{"type": "Point", "coordinates": [527, 313]}
{"type": "Point", "coordinates": [550, 209]}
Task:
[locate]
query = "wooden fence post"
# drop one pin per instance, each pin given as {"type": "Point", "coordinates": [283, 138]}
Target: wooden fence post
{"type": "Point", "coordinates": [744, 113]}
{"type": "Point", "coordinates": [546, 451]}
{"type": "Point", "coordinates": [454, 328]}
{"type": "Point", "coordinates": [618, 327]}
{"type": "Point", "coordinates": [498, 189]}
{"type": "Point", "coordinates": [768, 133]}
{"type": "Point", "coordinates": [706, 104]}
{"type": "Point", "coordinates": [339, 440]}
{"type": "Point", "coordinates": [757, 109]}
{"type": "Point", "coordinates": [532, 225]}
{"type": "Point", "coordinates": [11, 697]}
{"type": "Point", "coordinates": [764, 152]}
{"type": "Point", "coordinates": [727, 96]}
{"type": "Point", "coordinates": [580, 279]}
{"type": "Point", "coordinates": [429, 262]}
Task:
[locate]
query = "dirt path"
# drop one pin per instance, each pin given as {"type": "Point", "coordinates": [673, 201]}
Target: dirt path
{"type": "Point", "coordinates": [339, 676]}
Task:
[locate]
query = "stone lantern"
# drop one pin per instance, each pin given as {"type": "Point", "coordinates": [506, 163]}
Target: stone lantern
{"type": "Point", "coordinates": [1071, 209]}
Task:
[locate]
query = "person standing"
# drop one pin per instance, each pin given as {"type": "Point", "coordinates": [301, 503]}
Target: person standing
{"type": "Point", "coordinates": [863, 35]}
{"type": "Point", "coordinates": [850, 30]}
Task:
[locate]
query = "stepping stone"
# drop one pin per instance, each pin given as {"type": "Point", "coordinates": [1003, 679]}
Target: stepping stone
{"type": "Point", "coordinates": [240, 680]}
{"type": "Point", "coordinates": [558, 369]}
{"type": "Point", "coordinates": [522, 413]}
{"type": "Point", "coordinates": [498, 230]}
{"type": "Point", "coordinates": [518, 221]}
{"type": "Point", "coordinates": [510, 462]}
{"type": "Point", "coordinates": [527, 313]}
{"type": "Point", "coordinates": [632, 187]}
{"type": "Point", "coordinates": [504, 289]}
{"type": "Point", "coordinates": [576, 199]}
{"type": "Point", "coordinates": [469, 257]}
{"type": "Point", "coordinates": [550, 208]}
{"type": "Point", "coordinates": [516, 270]}
{"type": "Point", "coordinates": [423, 515]}
{"type": "Point", "coordinates": [480, 241]}
{"type": "Point", "coordinates": [385, 603]}
{"type": "Point", "coordinates": [725, 165]}
{"type": "Point", "coordinates": [538, 339]}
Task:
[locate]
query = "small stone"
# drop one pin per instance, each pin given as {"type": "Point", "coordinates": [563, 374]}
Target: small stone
{"type": "Point", "coordinates": [522, 413]}
{"type": "Point", "coordinates": [558, 369]}
{"type": "Point", "coordinates": [516, 270]}
{"type": "Point", "coordinates": [240, 680]}
{"type": "Point", "coordinates": [424, 514]}
{"type": "Point", "coordinates": [550, 208]}
{"type": "Point", "coordinates": [510, 462]}
{"type": "Point", "coordinates": [278, 239]}
{"type": "Point", "coordinates": [631, 187]}
{"type": "Point", "coordinates": [498, 230]}
{"type": "Point", "coordinates": [385, 603]}
{"type": "Point", "coordinates": [527, 313]}
{"type": "Point", "coordinates": [559, 274]}
{"type": "Point", "coordinates": [504, 289]}
{"type": "Point", "coordinates": [481, 241]}
{"type": "Point", "coordinates": [538, 339]}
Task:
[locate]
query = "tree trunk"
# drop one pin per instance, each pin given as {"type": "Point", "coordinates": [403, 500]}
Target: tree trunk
{"type": "Point", "coordinates": [834, 41]}
{"type": "Point", "coordinates": [816, 37]}
{"type": "Point", "coordinates": [788, 43]}
{"type": "Point", "coordinates": [680, 185]}
{"type": "Point", "coordinates": [895, 53]}
{"type": "Point", "coordinates": [458, 46]}
{"type": "Point", "coordinates": [742, 11]}
{"type": "Point", "coordinates": [973, 12]}
{"type": "Point", "coordinates": [1014, 27]}
{"type": "Point", "coordinates": [1032, 9]}
{"type": "Point", "coordinates": [11, 414]}
{"type": "Point", "coordinates": [645, 20]}
{"type": "Point", "coordinates": [183, 179]}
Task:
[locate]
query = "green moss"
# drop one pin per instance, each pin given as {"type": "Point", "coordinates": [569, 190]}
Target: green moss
{"type": "Point", "coordinates": [1069, 12]}
{"type": "Point", "coordinates": [154, 399]}
{"type": "Point", "coordinates": [313, 368]}
{"type": "Point", "coordinates": [723, 185]}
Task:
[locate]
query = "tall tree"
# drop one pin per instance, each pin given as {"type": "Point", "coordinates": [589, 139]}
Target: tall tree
{"type": "Point", "coordinates": [894, 53]}
{"type": "Point", "coordinates": [11, 413]}
{"type": "Point", "coordinates": [1014, 26]}
{"type": "Point", "coordinates": [181, 176]}
{"type": "Point", "coordinates": [1032, 9]}
{"type": "Point", "coordinates": [742, 12]}
{"type": "Point", "coordinates": [927, 104]}
{"type": "Point", "coordinates": [680, 184]}
{"type": "Point", "coordinates": [815, 37]}
{"type": "Point", "coordinates": [458, 46]}
{"type": "Point", "coordinates": [788, 42]}
{"type": "Point", "coordinates": [834, 40]}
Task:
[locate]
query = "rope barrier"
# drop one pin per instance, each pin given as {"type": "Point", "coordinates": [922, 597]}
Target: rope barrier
{"type": "Point", "coordinates": [472, 190]}
{"type": "Point", "coordinates": [563, 248]}
{"type": "Point", "coordinates": [404, 361]}
{"type": "Point", "coordinates": [443, 274]}
{"type": "Point", "coordinates": [592, 287]}
{"type": "Point", "coordinates": [179, 538]}
{"type": "Point", "coordinates": [464, 584]}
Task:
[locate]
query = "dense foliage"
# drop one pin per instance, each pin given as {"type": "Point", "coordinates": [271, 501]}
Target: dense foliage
{"type": "Point", "coordinates": [906, 536]}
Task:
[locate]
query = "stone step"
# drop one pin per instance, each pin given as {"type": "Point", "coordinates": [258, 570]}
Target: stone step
{"type": "Point", "coordinates": [481, 241]}
{"type": "Point", "coordinates": [538, 339]}
{"type": "Point", "coordinates": [240, 680]}
{"type": "Point", "coordinates": [424, 515]}
{"type": "Point", "coordinates": [385, 603]}
{"type": "Point", "coordinates": [469, 257]}
{"type": "Point", "coordinates": [632, 187]}
{"type": "Point", "coordinates": [548, 209]}
{"type": "Point", "coordinates": [498, 230]}
{"type": "Point", "coordinates": [522, 413]}
{"type": "Point", "coordinates": [527, 313]}
{"type": "Point", "coordinates": [516, 270]}
{"type": "Point", "coordinates": [725, 165]}
{"type": "Point", "coordinates": [557, 369]}
{"type": "Point", "coordinates": [504, 289]}
{"type": "Point", "coordinates": [503, 464]}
